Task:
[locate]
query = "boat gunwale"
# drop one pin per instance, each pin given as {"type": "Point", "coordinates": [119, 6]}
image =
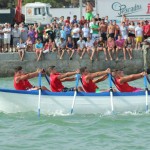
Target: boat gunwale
{"type": "Point", "coordinates": [35, 92]}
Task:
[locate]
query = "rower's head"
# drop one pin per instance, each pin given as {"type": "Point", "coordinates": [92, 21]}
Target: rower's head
{"type": "Point", "coordinates": [84, 70]}
{"type": "Point", "coordinates": [19, 70]}
{"type": "Point", "coordinates": [52, 69]}
{"type": "Point", "coordinates": [117, 73]}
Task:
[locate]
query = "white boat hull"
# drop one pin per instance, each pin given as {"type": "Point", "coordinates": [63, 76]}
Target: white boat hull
{"type": "Point", "coordinates": [12, 101]}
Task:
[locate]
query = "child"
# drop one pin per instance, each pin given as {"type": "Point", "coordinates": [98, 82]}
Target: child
{"type": "Point", "coordinates": [38, 49]}
{"type": "Point", "coordinates": [21, 49]}
{"type": "Point", "coordinates": [70, 47]}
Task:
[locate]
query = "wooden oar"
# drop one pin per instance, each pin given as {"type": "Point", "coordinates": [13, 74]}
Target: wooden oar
{"type": "Point", "coordinates": [47, 79]}
{"type": "Point", "coordinates": [146, 92]}
{"type": "Point", "coordinates": [75, 92]}
{"type": "Point", "coordinates": [111, 92]}
{"type": "Point", "coordinates": [39, 100]}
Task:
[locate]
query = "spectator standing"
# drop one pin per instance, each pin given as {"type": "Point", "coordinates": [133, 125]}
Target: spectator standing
{"type": "Point", "coordinates": [146, 30]}
{"type": "Point", "coordinates": [75, 34]}
{"type": "Point", "coordinates": [16, 34]}
{"type": "Point", "coordinates": [63, 33]}
{"type": "Point", "coordinates": [85, 32]}
{"type": "Point", "coordinates": [67, 29]}
{"type": "Point", "coordinates": [40, 31]}
{"type": "Point", "coordinates": [124, 31]}
{"type": "Point", "coordinates": [138, 35]}
{"type": "Point", "coordinates": [24, 32]}
{"type": "Point", "coordinates": [7, 36]}
{"type": "Point", "coordinates": [111, 30]}
{"type": "Point", "coordinates": [31, 33]}
{"type": "Point", "coordinates": [103, 30]}
{"type": "Point", "coordinates": [131, 32]}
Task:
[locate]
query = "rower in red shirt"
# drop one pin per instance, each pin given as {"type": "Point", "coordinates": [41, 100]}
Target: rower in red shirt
{"type": "Point", "coordinates": [57, 78]}
{"type": "Point", "coordinates": [121, 81]}
{"type": "Point", "coordinates": [89, 81]}
{"type": "Point", "coordinates": [21, 79]}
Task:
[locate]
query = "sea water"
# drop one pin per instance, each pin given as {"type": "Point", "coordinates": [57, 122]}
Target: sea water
{"type": "Point", "coordinates": [25, 131]}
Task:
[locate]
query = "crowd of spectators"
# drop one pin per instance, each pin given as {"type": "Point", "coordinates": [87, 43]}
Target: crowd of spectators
{"type": "Point", "coordinates": [66, 35]}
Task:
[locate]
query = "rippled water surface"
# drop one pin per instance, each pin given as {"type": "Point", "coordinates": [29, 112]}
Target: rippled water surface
{"type": "Point", "coordinates": [126, 131]}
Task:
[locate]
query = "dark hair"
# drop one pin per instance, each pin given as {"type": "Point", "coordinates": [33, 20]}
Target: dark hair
{"type": "Point", "coordinates": [51, 67]}
{"type": "Point", "coordinates": [18, 68]}
{"type": "Point", "coordinates": [82, 69]}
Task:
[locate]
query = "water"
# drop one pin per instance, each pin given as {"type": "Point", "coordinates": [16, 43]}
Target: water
{"type": "Point", "coordinates": [126, 131]}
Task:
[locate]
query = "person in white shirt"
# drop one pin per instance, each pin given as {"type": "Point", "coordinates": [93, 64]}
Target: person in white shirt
{"type": "Point", "coordinates": [139, 36]}
{"type": "Point", "coordinates": [21, 49]}
{"type": "Point", "coordinates": [81, 47]}
{"type": "Point", "coordinates": [75, 34]}
{"type": "Point", "coordinates": [90, 47]}
{"type": "Point", "coordinates": [85, 32]}
{"type": "Point", "coordinates": [7, 36]}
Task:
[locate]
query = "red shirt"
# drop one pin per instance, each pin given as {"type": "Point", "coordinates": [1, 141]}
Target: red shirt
{"type": "Point", "coordinates": [125, 87]}
{"type": "Point", "coordinates": [90, 86]}
{"type": "Point", "coordinates": [22, 84]}
{"type": "Point", "coordinates": [146, 29]}
{"type": "Point", "coordinates": [56, 85]}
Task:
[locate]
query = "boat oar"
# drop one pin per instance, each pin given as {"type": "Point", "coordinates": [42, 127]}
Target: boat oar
{"type": "Point", "coordinates": [111, 92]}
{"type": "Point", "coordinates": [146, 92]}
{"type": "Point", "coordinates": [47, 79]}
{"type": "Point", "coordinates": [39, 100]}
{"type": "Point", "coordinates": [75, 92]}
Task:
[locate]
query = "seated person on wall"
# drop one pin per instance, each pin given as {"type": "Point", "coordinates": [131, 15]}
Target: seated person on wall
{"type": "Point", "coordinates": [21, 47]}
{"type": "Point", "coordinates": [21, 79]}
{"type": "Point", "coordinates": [39, 49]}
{"type": "Point", "coordinates": [29, 44]}
{"type": "Point", "coordinates": [146, 44]}
{"type": "Point", "coordinates": [121, 81]}
{"type": "Point", "coordinates": [89, 80]}
{"type": "Point", "coordinates": [57, 78]}
{"type": "Point", "coordinates": [120, 45]}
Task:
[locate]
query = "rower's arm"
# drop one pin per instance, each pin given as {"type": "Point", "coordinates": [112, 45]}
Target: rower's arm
{"type": "Point", "coordinates": [96, 74]}
{"type": "Point", "coordinates": [27, 76]}
{"type": "Point", "coordinates": [100, 79]}
{"type": "Point", "coordinates": [67, 79]}
{"type": "Point", "coordinates": [68, 74]}
{"type": "Point", "coordinates": [131, 78]}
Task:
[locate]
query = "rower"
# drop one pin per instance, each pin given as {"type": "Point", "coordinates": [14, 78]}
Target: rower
{"type": "Point", "coordinates": [57, 78]}
{"type": "Point", "coordinates": [121, 81]}
{"type": "Point", "coordinates": [89, 80]}
{"type": "Point", "coordinates": [21, 79]}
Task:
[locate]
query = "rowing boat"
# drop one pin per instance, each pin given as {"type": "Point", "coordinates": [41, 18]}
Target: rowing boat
{"type": "Point", "coordinates": [13, 101]}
